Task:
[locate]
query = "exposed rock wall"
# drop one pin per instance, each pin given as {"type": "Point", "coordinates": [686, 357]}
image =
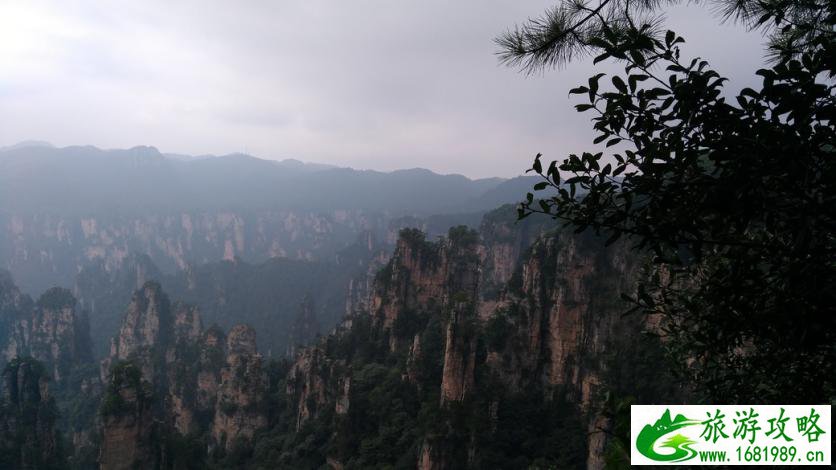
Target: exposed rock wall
{"type": "Point", "coordinates": [568, 320]}
{"type": "Point", "coordinates": [240, 410]}
{"type": "Point", "coordinates": [50, 330]}
{"type": "Point", "coordinates": [448, 344]}
{"type": "Point", "coordinates": [203, 381]}
{"type": "Point", "coordinates": [423, 277]}
{"type": "Point", "coordinates": [182, 368]}
{"type": "Point", "coordinates": [430, 458]}
{"type": "Point", "coordinates": [545, 312]}
{"type": "Point", "coordinates": [211, 361]}
{"type": "Point", "coordinates": [45, 250]}
{"type": "Point", "coordinates": [145, 333]}
{"type": "Point", "coordinates": [505, 241]}
{"type": "Point", "coordinates": [265, 295]}
{"type": "Point", "coordinates": [361, 287]}
{"type": "Point", "coordinates": [566, 298]}
{"type": "Point", "coordinates": [28, 438]}
{"type": "Point", "coordinates": [455, 329]}
{"type": "Point", "coordinates": [307, 383]}
{"type": "Point", "coordinates": [127, 422]}
{"type": "Point", "coordinates": [459, 353]}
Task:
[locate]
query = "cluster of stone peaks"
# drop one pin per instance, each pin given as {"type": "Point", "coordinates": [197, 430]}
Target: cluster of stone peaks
{"type": "Point", "coordinates": [167, 374]}
{"type": "Point", "coordinates": [475, 321]}
{"type": "Point", "coordinates": [489, 349]}
{"type": "Point", "coordinates": [49, 330]}
{"type": "Point", "coordinates": [44, 349]}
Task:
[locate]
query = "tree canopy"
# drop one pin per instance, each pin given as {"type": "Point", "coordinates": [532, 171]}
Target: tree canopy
{"type": "Point", "coordinates": [732, 195]}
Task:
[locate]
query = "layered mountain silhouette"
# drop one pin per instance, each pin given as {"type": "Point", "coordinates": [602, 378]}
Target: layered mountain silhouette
{"type": "Point", "coordinates": [142, 179]}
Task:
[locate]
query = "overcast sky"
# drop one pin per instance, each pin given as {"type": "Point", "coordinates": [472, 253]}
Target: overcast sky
{"type": "Point", "coordinates": [380, 84]}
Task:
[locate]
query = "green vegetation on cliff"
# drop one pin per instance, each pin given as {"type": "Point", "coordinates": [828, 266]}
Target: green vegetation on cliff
{"type": "Point", "coordinates": [125, 376]}
{"type": "Point", "coordinates": [28, 438]}
{"type": "Point", "coordinates": [731, 196]}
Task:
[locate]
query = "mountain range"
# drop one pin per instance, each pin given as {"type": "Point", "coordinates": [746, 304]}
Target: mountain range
{"type": "Point", "coordinates": [65, 209]}
{"type": "Point", "coordinates": [85, 180]}
{"type": "Point", "coordinates": [404, 319]}
{"type": "Point", "coordinates": [500, 347]}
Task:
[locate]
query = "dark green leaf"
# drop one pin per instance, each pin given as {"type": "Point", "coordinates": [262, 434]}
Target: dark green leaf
{"type": "Point", "coordinates": [619, 83]}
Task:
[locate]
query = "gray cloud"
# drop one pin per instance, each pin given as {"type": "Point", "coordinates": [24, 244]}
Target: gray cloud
{"type": "Point", "coordinates": [369, 83]}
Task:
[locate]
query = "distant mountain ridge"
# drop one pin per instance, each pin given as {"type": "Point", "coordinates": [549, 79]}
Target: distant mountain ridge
{"type": "Point", "coordinates": [85, 179]}
{"type": "Point", "coordinates": [63, 209]}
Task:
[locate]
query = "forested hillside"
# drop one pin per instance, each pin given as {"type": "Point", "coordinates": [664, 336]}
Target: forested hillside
{"type": "Point", "coordinates": [463, 353]}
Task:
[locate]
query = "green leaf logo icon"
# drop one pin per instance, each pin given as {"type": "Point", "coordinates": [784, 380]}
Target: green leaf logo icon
{"type": "Point", "coordinates": [680, 444]}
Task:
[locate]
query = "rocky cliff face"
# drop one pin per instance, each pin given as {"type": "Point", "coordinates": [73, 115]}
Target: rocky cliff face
{"type": "Point", "coordinates": [44, 250]}
{"type": "Point", "coordinates": [505, 241]}
{"type": "Point", "coordinates": [212, 356]}
{"type": "Point", "coordinates": [139, 400]}
{"type": "Point", "coordinates": [58, 334]}
{"type": "Point", "coordinates": [567, 317]}
{"type": "Point", "coordinates": [52, 336]}
{"type": "Point", "coordinates": [51, 330]}
{"type": "Point", "coordinates": [28, 437]}
{"type": "Point", "coordinates": [146, 332]}
{"type": "Point", "coordinates": [361, 287]}
{"type": "Point", "coordinates": [459, 353]}
{"type": "Point", "coordinates": [422, 278]}
{"type": "Point", "coordinates": [564, 301]}
{"type": "Point", "coordinates": [241, 405]}
{"type": "Point", "coordinates": [63, 207]}
{"type": "Point", "coordinates": [14, 305]}
{"type": "Point", "coordinates": [182, 369]}
{"type": "Point", "coordinates": [494, 322]}
{"type": "Point", "coordinates": [488, 350]}
{"type": "Point", "coordinates": [128, 423]}
{"type": "Point", "coordinates": [103, 292]}
{"type": "Point", "coordinates": [314, 382]}
{"type": "Point", "coordinates": [265, 295]}
{"type": "Point", "coordinates": [202, 381]}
